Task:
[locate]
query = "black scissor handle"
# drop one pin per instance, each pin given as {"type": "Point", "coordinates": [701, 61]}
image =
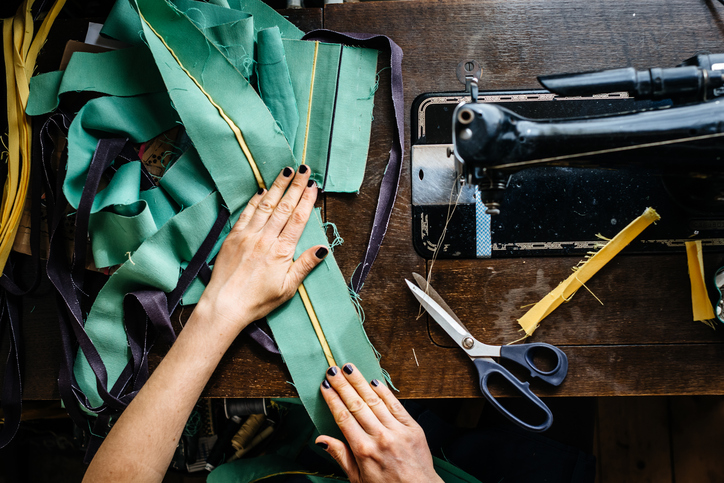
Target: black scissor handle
{"type": "Point", "coordinates": [487, 369]}
{"type": "Point", "coordinates": [523, 355]}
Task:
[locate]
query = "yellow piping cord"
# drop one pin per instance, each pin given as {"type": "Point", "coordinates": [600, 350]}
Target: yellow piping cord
{"type": "Point", "coordinates": [309, 106]}
{"type": "Point", "coordinates": [20, 51]}
{"type": "Point", "coordinates": [565, 290]}
{"type": "Point", "coordinates": [700, 303]}
{"type": "Point", "coordinates": [237, 132]}
{"type": "Point", "coordinates": [239, 137]}
{"type": "Point", "coordinates": [317, 326]}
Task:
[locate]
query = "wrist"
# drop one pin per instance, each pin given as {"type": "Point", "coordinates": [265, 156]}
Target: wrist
{"type": "Point", "coordinates": [213, 319]}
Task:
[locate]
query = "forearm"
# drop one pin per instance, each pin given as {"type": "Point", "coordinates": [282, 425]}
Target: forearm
{"type": "Point", "coordinates": [141, 444]}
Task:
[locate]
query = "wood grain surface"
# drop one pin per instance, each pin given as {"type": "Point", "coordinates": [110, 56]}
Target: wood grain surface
{"type": "Point", "coordinates": [641, 341]}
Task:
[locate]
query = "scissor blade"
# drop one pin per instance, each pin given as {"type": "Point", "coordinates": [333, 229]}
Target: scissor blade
{"type": "Point", "coordinates": [456, 331]}
{"type": "Point", "coordinates": [432, 293]}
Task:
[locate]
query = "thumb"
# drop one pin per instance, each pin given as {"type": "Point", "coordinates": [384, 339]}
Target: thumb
{"type": "Point", "coordinates": [341, 454]}
{"type": "Point", "coordinates": [305, 264]}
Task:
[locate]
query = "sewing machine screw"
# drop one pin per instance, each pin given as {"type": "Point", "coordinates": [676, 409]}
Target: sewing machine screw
{"type": "Point", "coordinates": [468, 342]}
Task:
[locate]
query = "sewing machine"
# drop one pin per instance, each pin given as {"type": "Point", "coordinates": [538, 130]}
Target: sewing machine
{"type": "Point", "coordinates": [660, 128]}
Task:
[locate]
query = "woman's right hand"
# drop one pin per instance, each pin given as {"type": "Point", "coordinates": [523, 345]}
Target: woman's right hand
{"type": "Point", "coordinates": [385, 443]}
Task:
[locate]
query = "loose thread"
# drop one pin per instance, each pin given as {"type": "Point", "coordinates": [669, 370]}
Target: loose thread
{"type": "Point", "coordinates": [415, 356]}
{"type": "Point", "coordinates": [128, 254]}
{"type": "Point", "coordinates": [589, 291]}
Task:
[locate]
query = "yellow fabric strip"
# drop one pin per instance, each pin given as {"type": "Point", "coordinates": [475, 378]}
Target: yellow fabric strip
{"type": "Point", "coordinates": [317, 326]}
{"type": "Point", "coordinates": [565, 290]}
{"type": "Point", "coordinates": [700, 303]}
{"type": "Point", "coordinates": [309, 106]}
{"type": "Point", "coordinates": [20, 51]}
{"type": "Point", "coordinates": [234, 128]}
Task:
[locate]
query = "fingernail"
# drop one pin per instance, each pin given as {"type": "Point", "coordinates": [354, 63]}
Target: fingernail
{"type": "Point", "coordinates": [321, 253]}
{"type": "Point", "coordinates": [375, 382]}
{"type": "Point", "coordinates": [325, 384]}
{"type": "Point", "coordinates": [310, 183]}
{"type": "Point", "coordinates": [261, 190]}
{"type": "Point", "coordinates": [332, 371]}
{"type": "Point", "coordinates": [323, 445]}
{"type": "Point", "coordinates": [348, 369]}
{"type": "Point", "coordinates": [303, 168]}
{"type": "Point", "coordinates": [287, 172]}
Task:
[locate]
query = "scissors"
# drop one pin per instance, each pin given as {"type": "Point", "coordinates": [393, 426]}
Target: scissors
{"type": "Point", "coordinates": [482, 354]}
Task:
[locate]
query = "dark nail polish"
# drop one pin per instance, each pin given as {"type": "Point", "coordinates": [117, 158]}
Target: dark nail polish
{"type": "Point", "coordinates": [375, 382]}
{"type": "Point", "coordinates": [332, 371]}
{"type": "Point", "coordinates": [303, 168]}
{"type": "Point", "coordinates": [321, 252]}
{"type": "Point", "coordinates": [323, 445]}
{"type": "Point", "coordinates": [261, 190]}
{"type": "Point", "coordinates": [325, 384]}
{"type": "Point", "coordinates": [310, 183]}
{"type": "Point", "coordinates": [348, 369]}
{"type": "Point", "coordinates": [287, 172]}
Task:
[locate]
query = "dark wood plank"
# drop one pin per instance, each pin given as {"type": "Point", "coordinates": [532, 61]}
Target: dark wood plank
{"type": "Point", "coordinates": [633, 440]}
{"type": "Point", "coordinates": [696, 424]}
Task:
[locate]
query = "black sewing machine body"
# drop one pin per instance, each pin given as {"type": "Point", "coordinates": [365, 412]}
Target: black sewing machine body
{"type": "Point", "coordinates": [558, 205]}
{"type": "Point", "coordinates": [537, 165]}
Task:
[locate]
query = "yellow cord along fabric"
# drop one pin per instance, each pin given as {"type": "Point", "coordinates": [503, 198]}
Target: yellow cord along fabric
{"type": "Point", "coordinates": [566, 289]}
{"type": "Point", "coordinates": [20, 52]}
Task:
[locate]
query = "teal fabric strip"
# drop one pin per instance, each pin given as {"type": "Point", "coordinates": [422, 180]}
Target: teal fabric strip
{"type": "Point", "coordinates": [140, 118]}
{"type": "Point", "coordinates": [352, 120]}
{"type": "Point", "coordinates": [266, 17]}
{"type": "Point", "coordinates": [315, 137]}
{"type": "Point", "coordinates": [451, 473]}
{"type": "Point", "coordinates": [161, 205]}
{"type": "Point", "coordinates": [231, 31]}
{"type": "Point", "coordinates": [130, 227]}
{"type": "Point", "coordinates": [156, 264]}
{"type": "Point", "coordinates": [187, 180]}
{"type": "Point", "coordinates": [298, 343]}
{"type": "Point", "coordinates": [125, 72]}
{"type": "Point", "coordinates": [275, 84]}
{"type": "Point", "coordinates": [123, 24]}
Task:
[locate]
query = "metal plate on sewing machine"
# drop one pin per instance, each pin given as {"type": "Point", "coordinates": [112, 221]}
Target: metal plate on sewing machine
{"type": "Point", "coordinates": [547, 211]}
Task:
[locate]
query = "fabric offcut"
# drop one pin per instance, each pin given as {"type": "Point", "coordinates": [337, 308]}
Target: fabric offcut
{"type": "Point", "coordinates": [701, 307]}
{"type": "Point", "coordinates": [566, 289]}
{"type": "Point", "coordinates": [193, 52]}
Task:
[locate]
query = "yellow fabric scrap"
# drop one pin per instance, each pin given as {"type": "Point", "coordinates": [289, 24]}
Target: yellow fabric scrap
{"type": "Point", "coordinates": [565, 290]}
{"type": "Point", "coordinates": [700, 303]}
{"type": "Point", "coordinates": [20, 52]}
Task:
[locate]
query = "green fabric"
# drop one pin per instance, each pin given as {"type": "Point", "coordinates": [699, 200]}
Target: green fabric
{"type": "Point", "coordinates": [123, 24]}
{"type": "Point", "coordinates": [125, 72]}
{"type": "Point", "coordinates": [187, 180]}
{"type": "Point", "coordinates": [352, 120]}
{"type": "Point", "coordinates": [275, 85]}
{"type": "Point", "coordinates": [352, 117]}
{"type": "Point", "coordinates": [342, 328]}
{"type": "Point", "coordinates": [156, 232]}
{"type": "Point", "coordinates": [156, 264]}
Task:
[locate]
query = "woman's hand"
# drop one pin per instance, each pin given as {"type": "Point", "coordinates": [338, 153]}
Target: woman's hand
{"type": "Point", "coordinates": [255, 271]}
{"type": "Point", "coordinates": [385, 443]}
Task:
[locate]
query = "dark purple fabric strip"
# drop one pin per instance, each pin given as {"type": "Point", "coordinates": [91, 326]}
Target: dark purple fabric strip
{"type": "Point", "coordinates": [391, 178]}
{"type": "Point", "coordinates": [12, 391]}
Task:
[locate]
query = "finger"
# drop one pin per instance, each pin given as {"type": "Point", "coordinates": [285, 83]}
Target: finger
{"type": "Point", "coordinates": [373, 401]}
{"type": "Point", "coordinates": [292, 231]}
{"type": "Point", "coordinates": [248, 211]}
{"type": "Point", "coordinates": [394, 406]}
{"type": "Point", "coordinates": [354, 403]}
{"type": "Point", "coordinates": [341, 454]}
{"type": "Point", "coordinates": [284, 209]}
{"type": "Point", "coordinates": [270, 200]}
{"type": "Point", "coordinates": [303, 265]}
{"type": "Point", "coordinates": [349, 426]}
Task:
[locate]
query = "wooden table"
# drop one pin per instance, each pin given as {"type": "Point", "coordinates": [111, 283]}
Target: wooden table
{"type": "Point", "coordinates": [642, 341]}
